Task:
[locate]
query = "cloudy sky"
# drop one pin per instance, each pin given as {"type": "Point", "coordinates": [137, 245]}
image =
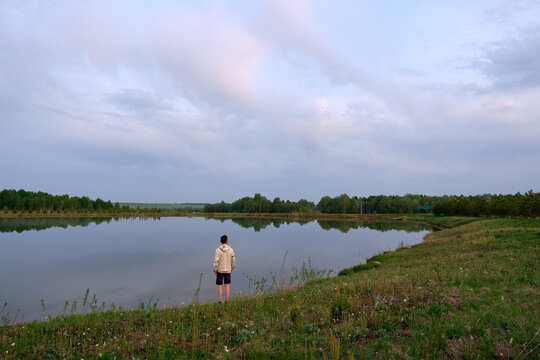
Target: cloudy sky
{"type": "Point", "coordinates": [203, 101]}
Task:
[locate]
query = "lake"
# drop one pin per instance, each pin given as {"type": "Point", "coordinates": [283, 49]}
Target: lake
{"type": "Point", "coordinates": [126, 261]}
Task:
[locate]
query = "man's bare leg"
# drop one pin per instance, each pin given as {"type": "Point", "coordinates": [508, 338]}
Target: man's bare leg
{"type": "Point", "coordinates": [220, 291]}
{"type": "Point", "coordinates": [226, 292]}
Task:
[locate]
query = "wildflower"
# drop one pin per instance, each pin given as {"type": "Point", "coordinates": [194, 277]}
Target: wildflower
{"type": "Point", "coordinates": [13, 344]}
{"type": "Point", "coordinates": [219, 328]}
{"type": "Point", "coordinates": [227, 350]}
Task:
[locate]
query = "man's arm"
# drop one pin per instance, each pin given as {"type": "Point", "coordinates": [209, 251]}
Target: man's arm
{"type": "Point", "coordinates": [233, 261]}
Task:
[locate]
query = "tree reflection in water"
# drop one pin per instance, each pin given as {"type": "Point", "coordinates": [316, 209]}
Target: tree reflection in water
{"type": "Point", "coordinates": [257, 224]}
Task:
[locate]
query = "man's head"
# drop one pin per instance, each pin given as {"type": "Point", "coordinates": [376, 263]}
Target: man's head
{"type": "Point", "coordinates": [224, 239]}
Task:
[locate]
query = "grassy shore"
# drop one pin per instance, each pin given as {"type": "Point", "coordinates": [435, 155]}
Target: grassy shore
{"type": "Point", "coordinates": [469, 291]}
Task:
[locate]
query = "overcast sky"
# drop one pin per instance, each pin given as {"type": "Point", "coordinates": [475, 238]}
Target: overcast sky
{"type": "Point", "coordinates": [203, 101]}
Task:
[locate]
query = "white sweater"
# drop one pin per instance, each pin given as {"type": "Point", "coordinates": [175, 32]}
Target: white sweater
{"type": "Point", "coordinates": [224, 260]}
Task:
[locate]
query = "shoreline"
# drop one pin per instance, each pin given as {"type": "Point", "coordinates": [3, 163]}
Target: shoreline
{"type": "Point", "coordinates": [470, 289]}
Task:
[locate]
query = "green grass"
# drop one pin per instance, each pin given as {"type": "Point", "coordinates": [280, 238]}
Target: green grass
{"type": "Point", "coordinates": [166, 206]}
{"type": "Point", "coordinates": [469, 291]}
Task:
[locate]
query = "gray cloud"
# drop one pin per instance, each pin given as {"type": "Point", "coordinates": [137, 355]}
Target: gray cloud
{"type": "Point", "coordinates": [507, 11]}
{"type": "Point", "coordinates": [512, 64]}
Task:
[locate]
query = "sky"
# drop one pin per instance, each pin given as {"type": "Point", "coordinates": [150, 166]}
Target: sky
{"type": "Point", "coordinates": [203, 101]}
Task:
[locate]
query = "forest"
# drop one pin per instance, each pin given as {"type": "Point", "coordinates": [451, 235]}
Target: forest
{"type": "Point", "coordinates": [525, 205]}
{"type": "Point", "coordinates": [260, 204]}
{"type": "Point", "coordinates": [28, 201]}
{"type": "Point", "coordinates": [517, 205]}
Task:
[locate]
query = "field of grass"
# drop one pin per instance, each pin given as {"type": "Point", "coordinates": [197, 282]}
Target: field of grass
{"type": "Point", "coordinates": [469, 291]}
{"type": "Point", "coordinates": [166, 207]}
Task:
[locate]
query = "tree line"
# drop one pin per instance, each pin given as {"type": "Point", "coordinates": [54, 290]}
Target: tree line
{"type": "Point", "coordinates": [526, 204]}
{"type": "Point", "coordinates": [28, 201]}
{"type": "Point", "coordinates": [382, 204]}
{"type": "Point", "coordinates": [342, 204]}
{"type": "Point", "coordinates": [260, 204]}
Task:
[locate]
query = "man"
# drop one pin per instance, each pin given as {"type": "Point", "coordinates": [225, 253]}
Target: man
{"type": "Point", "coordinates": [224, 264]}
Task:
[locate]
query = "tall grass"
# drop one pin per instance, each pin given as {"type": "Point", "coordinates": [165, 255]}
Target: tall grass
{"type": "Point", "coordinates": [297, 279]}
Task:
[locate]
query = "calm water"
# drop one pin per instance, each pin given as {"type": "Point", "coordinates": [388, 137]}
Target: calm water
{"type": "Point", "coordinates": [129, 260]}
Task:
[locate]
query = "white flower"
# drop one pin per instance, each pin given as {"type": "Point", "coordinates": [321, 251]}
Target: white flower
{"type": "Point", "coordinates": [13, 344]}
{"type": "Point", "coordinates": [227, 350]}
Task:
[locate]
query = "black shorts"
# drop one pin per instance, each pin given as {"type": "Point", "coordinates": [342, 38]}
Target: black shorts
{"type": "Point", "coordinates": [221, 276]}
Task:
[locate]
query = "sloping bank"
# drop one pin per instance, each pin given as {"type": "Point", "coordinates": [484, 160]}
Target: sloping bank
{"type": "Point", "coordinates": [470, 291]}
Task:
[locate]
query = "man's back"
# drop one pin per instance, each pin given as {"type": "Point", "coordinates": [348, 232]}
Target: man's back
{"type": "Point", "coordinates": [224, 260]}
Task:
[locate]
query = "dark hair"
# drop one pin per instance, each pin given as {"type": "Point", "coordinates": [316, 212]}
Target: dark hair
{"type": "Point", "coordinates": [224, 239]}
